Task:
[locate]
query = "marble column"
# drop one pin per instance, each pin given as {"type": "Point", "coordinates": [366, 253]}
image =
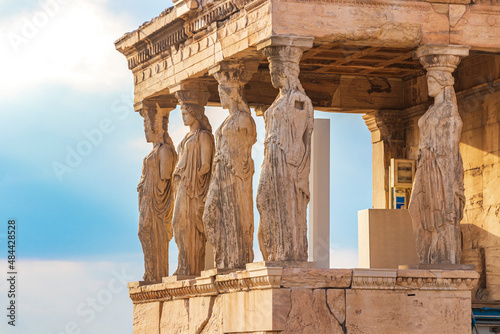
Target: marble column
{"type": "Point", "coordinates": [437, 201]}
{"type": "Point", "coordinates": [283, 191]}
{"type": "Point", "coordinates": [319, 206]}
{"type": "Point", "coordinates": [192, 178]}
{"type": "Point", "coordinates": [156, 196]}
{"type": "Point", "coordinates": [228, 216]}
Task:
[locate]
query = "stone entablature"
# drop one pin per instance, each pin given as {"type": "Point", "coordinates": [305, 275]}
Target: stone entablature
{"type": "Point", "coordinates": [179, 45]}
{"type": "Point", "coordinates": [165, 33]}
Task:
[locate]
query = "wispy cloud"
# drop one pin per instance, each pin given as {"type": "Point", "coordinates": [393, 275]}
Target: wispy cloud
{"type": "Point", "coordinates": [63, 42]}
{"type": "Point", "coordinates": [56, 295]}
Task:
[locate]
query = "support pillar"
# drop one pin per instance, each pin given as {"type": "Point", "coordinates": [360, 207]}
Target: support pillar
{"type": "Point", "coordinates": [283, 191]}
{"type": "Point", "coordinates": [195, 161]}
{"type": "Point", "coordinates": [155, 189]}
{"type": "Point", "coordinates": [229, 213]}
{"type": "Point", "coordinates": [437, 201]}
{"type": "Point", "coordinates": [319, 207]}
{"type": "Point", "coordinates": [387, 129]}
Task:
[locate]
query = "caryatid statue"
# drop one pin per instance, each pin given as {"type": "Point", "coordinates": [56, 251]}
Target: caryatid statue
{"type": "Point", "coordinates": [437, 201]}
{"type": "Point", "coordinates": [191, 181]}
{"type": "Point", "coordinates": [155, 192]}
{"type": "Point", "coordinates": [283, 191]}
{"type": "Point", "coordinates": [228, 216]}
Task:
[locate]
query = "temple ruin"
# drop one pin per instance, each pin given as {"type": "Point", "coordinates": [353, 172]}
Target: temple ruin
{"type": "Point", "coordinates": [424, 74]}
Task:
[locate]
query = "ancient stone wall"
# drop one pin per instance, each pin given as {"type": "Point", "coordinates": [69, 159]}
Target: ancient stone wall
{"type": "Point", "coordinates": [305, 300]}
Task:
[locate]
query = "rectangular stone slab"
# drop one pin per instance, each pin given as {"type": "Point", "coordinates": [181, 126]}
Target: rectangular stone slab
{"type": "Point", "coordinates": [147, 318]}
{"type": "Point", "coordinates": [411, 311]}
{"type": "Point", "coordinates": [258, 310]}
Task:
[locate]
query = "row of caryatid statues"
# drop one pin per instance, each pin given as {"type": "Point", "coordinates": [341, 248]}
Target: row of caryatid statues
{"type": "Point", "coordinates": [203, 192]}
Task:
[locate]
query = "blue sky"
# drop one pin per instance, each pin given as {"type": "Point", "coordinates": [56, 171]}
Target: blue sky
{"type": "Point", "coordinates": [63, 83]}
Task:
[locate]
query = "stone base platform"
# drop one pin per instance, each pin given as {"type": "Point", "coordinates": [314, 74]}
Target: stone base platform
{"type": "Point", "coordinates": [263, 299]}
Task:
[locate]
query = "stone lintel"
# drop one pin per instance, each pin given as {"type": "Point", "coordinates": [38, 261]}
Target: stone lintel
{"type": "Point", "coordinates": [302, 42]}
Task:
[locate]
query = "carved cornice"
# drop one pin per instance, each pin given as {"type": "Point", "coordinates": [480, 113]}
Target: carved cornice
{"type": "Point", "coordinates": [178, 31]}
{"type": "Point", "coordinates": [150, 50]}
{"type": "Point", "coordinates": [168, 56]}
{"type": "Point", "coordinates": [277, 277]}
{"type": "Point", "coordinates": [257, 279]}
{"type": "Point", "coordinates": [407, 279]}
{"type": "Point", "coordinates": [217, 13]}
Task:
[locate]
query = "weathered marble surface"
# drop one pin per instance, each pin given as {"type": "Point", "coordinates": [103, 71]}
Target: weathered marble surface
{"type": "Point", "coordinates": [311, 314]}
{"type": "Point", "coordinates": [175, 317]}
{"type": "Point", "coordinates": [156, 193]}
{"type": "Point", "coordinates": [335, 299]}
{"type": "Point", "coordinates": [228, 216]}
{"type": "Point", "coordinates": [408, 312]}
{"type": "Point", "coordinates": [147, 318]}
{"type": "Point", "coordinates": [214, 324]}
{"type": "Point", "coordinates": [283, 191]}
{"type": "Point", "coordinates": [191, 181]}
{"type": "Point", "coordinates": [437, 200]}
{"type": "Point", "coordinates": [256, 310]}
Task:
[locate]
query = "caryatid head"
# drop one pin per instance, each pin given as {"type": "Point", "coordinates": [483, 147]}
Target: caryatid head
{"type": "Point", "coordinates": [283, 65]}
{"type": "Point", "coordinates": [155, 122]}
{"type": "Point", "coordinates": [437, 81]}
{"type": "Point", "coordinates": [232, 77]}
